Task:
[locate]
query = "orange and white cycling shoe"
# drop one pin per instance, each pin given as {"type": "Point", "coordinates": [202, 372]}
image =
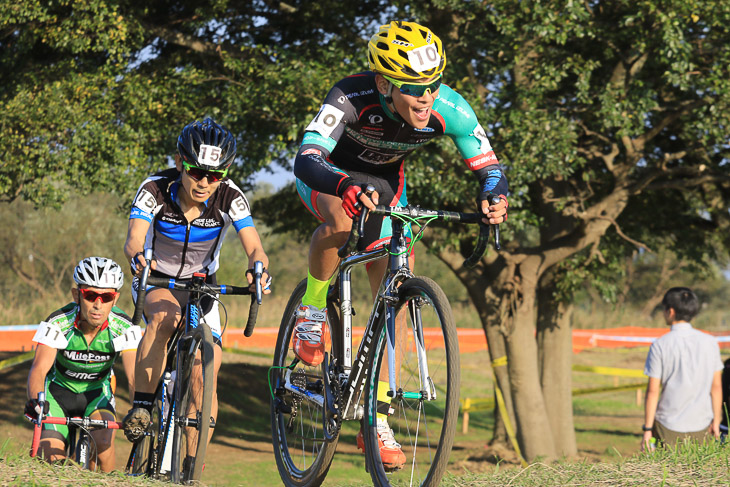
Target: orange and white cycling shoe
{"type": "Point", "coordinates": [390, 450]}
{"type": "Point", "coordinates": [307, 341]}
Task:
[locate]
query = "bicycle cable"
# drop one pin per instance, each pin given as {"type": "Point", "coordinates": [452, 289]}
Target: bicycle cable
{"type": "Point", "coordinates": [409, 221]}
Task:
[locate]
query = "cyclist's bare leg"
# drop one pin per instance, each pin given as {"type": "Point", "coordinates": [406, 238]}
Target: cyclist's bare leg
{"type": "Point", "coordinates": [328, 237]}
{"type": "Point", "coordinates": [52, 446]}
{"type": "Point", "coordinates": [104, 441]}
{"type": "Point", "coordinates": [375, 275]}
{"type": "Point", "coordinates": [163, 312]}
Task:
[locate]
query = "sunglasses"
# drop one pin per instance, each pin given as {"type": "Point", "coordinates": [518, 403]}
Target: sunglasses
{"type": "Point", "coordinates": [198, 174]}
{"type": "Point", "coordinates": [92, 296]}
{"type": "Point", "coordinates": [414, 89]}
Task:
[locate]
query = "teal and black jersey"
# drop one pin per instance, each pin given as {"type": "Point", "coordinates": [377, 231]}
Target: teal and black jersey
{"type": "Point", "coordinates": [82, 366]}
{"type": "Point", "coordinates": [357, 132]}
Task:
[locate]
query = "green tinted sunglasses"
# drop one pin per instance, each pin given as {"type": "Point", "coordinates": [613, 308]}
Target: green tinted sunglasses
{"type": "Point", "coordinates": [415, 89]}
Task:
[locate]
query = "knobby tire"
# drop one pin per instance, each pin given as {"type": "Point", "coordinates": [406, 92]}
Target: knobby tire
{"type": "Point", "coordinates": [425, 429]}
{"type": "Point", "coordinates": [302, 456]}
{"type": "Point", "coordinates": [195, 345]}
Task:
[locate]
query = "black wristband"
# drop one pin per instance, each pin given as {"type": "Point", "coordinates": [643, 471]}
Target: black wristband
{"type": "Point", "coordinates": [646, 428]}
{"type": "Point", "coordinates": [344, 184]}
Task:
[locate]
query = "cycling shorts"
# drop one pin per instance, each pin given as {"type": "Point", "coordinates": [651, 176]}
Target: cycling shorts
{"type": "Point", "coordinates": [66, 403]}
{"type": "Point", "coordinates": [211, 314]}
{"type": "Point", "coordinates": [391, 190]}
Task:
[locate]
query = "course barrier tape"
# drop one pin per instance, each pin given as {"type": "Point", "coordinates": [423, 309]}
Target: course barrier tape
{"type": "Point", "coordinates": [487, 403]}
{"type": "Point", "coordinates": [615, 371]}
{"type": "Point", "coordinates": [18, 359]}
{"type": "Point", "coordinates": [508, 425]}
{"type": "Point", "coordinates": [499, 362]}
{"type": "Point", "coordinates": [17, 338]}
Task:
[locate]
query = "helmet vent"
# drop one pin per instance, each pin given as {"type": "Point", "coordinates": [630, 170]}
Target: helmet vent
{"type": "Point", "coordinates": [383, 46]}
{"type": "Point", "coordinates": [405, 27]}
{"type": "Point", "coordinates": [385, 63]}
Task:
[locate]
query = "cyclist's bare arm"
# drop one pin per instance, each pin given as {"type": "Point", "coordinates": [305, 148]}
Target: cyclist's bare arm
{"type": "Point", "coordinates": [251, 243]}
{"type": "Point", "coordinates": [45, 356]}
{"type": "Point", "coordinates": [136, 234]}
{"type": "Point", "coordinates": [129, 358]}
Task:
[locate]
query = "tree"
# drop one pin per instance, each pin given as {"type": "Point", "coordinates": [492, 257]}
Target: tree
{"type": "Point", "coordinates": [96, 92]}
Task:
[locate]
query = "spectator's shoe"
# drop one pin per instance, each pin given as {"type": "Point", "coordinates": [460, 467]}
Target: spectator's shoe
{"type": "Point", "coordinates": [135, 424]}
{"type": "Point", "coordinates": [390, 450]}
{"type": "Point", "coordinates": [307, 340]}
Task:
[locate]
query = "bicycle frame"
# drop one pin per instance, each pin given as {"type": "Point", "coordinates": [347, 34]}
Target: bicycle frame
{"type": "Point", "coordinates": [354, 368]}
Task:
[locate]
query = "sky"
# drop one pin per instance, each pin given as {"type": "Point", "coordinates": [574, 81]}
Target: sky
{"type": "Point", "coordinates": [278, 179]}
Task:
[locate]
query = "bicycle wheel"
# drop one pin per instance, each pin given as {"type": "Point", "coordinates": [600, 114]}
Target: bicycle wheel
{"type": "Point", "coordinates": [193, 402]}
{"type": "Point", "coordinates": [425, 409]}
{"type": "Point", "coordinates": [303, 456]}
{"type": "Point", "coordinates": [143, 456]}
{"type": "Point", "coordinates": [82, 452]}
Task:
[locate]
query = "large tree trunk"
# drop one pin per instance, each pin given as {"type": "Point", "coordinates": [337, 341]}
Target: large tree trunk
{"type": "Point", "coordinates": [554, 338]}
{"type": "Point", "coordinates": [533, 428]}
{"type": "Point", "coordinates": [498, 351]}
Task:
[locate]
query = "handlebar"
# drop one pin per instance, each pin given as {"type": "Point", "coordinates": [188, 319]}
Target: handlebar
{"type": "Point", "coordinates": [358, 225]}
{"type": "Point", "coordinates": [85, 423]}
{"type": "Point", "coordinates": [189, 286]}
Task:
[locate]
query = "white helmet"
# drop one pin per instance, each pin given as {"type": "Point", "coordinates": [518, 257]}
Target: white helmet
{"type": "Point", "coordinates": [99, 272]}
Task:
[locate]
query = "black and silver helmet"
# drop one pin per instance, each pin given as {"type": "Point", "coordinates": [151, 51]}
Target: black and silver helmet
{"type": "Point", "coordinates": [207, 145]}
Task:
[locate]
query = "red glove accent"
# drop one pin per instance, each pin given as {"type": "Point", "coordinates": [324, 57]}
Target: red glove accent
{"type": "Point", "coordinates": [351, 201]}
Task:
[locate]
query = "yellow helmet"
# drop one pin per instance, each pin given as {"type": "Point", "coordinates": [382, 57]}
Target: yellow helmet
{"type": "Point", "coordinates": [406, 51]}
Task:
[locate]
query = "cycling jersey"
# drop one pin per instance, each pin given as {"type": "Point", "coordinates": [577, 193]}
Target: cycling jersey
{"type": "Point", "coordinates": [82, 366]}
{"type": "Point", "coordinates": [356, 131]}
{"type": "Point", "coordinates": [182, 248]}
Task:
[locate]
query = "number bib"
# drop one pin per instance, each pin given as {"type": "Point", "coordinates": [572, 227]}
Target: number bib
{"type": "Point", "coordinates": [51, 335]}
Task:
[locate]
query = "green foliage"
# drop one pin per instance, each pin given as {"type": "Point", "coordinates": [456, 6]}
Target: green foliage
{"type": "Point", "coordinates": [96, 92]}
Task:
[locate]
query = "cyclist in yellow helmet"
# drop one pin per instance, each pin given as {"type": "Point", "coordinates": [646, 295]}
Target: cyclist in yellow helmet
{"type": "Point", "coordinates": [368, 124]}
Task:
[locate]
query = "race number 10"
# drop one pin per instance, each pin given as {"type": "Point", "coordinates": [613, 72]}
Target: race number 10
{"type": "Point", "coordinates": [424, 58]}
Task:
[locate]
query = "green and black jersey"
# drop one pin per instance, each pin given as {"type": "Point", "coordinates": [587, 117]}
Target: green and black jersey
{"type": "Point", "coordinates": [82, 366]}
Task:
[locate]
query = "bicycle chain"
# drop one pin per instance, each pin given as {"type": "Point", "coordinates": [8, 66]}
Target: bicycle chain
{"type": "Point", "coordinates": [299, 380]}
{"type": "Point", "coordinates": [336, 389]}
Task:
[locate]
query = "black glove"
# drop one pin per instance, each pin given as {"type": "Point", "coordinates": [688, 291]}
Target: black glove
{"type": "Point", "coordinates": [33, 406]}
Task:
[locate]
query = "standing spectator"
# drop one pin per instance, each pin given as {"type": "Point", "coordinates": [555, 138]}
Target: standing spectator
{"type": "Point", "coordinates": [725, 399]}
{"type": "Point", "coordinates": [687, 364]}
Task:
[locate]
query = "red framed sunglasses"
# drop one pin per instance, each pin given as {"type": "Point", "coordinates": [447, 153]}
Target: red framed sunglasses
{"type": "Point", "coordinates": [198, 174]}
{"type": "Point", "coordinates": [92, 296]}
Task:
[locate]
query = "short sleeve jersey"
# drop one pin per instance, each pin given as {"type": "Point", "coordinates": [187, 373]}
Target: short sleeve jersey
{"type": "Point", "coordinates": [355, 130]}
{"type": "Point", "coordinates": [182, 248]}
{"type": "Point", "coordinates": [685, 361]}
{"type": "Point", "coordinates": [82, 366]}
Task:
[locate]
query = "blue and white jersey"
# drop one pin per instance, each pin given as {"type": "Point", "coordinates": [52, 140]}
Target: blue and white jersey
{"type": "Point", "coordinates": [181, 247]}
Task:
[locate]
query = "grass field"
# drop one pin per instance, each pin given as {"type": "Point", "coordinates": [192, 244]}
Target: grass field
{"type": "Point", "coordinates": [607, 429]}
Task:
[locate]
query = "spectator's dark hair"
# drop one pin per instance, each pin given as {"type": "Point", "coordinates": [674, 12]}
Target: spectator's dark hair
{"type": "Point", "coordinates": [684, 301]}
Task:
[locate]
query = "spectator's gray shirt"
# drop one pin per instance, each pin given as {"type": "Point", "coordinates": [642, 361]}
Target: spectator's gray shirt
{"type": "Point", "coordinates": [685, 361]}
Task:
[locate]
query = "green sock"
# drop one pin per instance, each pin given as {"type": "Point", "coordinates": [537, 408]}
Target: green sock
{"type": "Point", "coordinates": [383, 400]}
{"type": "Point", "coordinates": [316, 294]}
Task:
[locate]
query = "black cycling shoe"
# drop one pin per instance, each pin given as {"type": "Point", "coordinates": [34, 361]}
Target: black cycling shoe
{"type": "Point", "coordinates": [135, 424]}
